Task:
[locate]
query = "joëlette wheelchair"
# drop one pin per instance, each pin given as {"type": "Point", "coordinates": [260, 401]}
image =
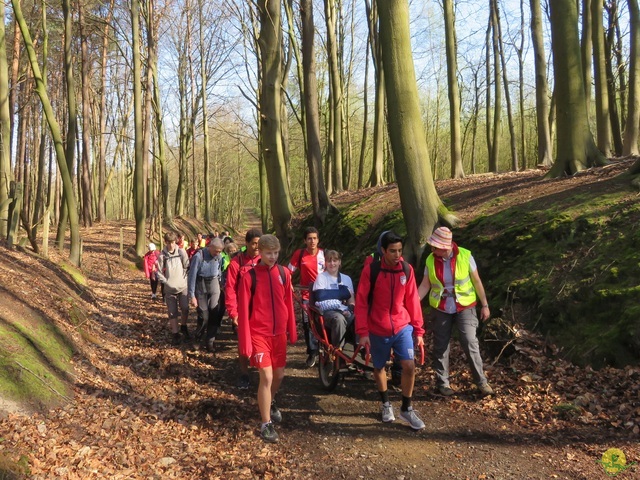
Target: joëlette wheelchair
{"type": "Point", "coordinates": [336, 363]}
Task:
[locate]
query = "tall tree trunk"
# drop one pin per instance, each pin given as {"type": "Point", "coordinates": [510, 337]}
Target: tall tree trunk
{"type": "Point", "coordinates": [319, 197]}
{"type": "Point", "coordinates": [147, 106]}
{"type": "Point", "coordinates": [586, 49]}
{"type": "Point", "coordinates": [576, 149]}
{"type": "Point", "coordinates": [139, 198]}
{"type": "Point", "coordinates": [87, 188]}
{"type": "Point", "coordinates": [365, 118]}
{"type": "Point", "coordinates": [335, 79]}
{"type": "Point", "coordinates": [632, 125]}
{"type": "Point", "coordinates": [612, 45]}
{"type": "Point", "coordinates": [507, 96]}
{"type": "Point", "coordinates": [205, 120]}
{"type": "Point", "coordinates": [72, 119]}
{"type": "Point", "coordinates": [270, 122]}
{"type": "Point", "coordinates": [420, 203]}
{"type": "Point", "coordinates": [600, 79]}
{"type": "Point", "coordinates": [377, 167]}
{"type": "Point", "coordinates": [74, 255]}
{"type": "Point", "coordinates": [5, 130]}
{"type": "Point", "coordinates": [497, 89]}
{"type": "Point", "coordinates": [542, 88]}
{"type": "Point", "coordinates": [521, 95]}
{"type": "Point", "coordinates": [453, 90]}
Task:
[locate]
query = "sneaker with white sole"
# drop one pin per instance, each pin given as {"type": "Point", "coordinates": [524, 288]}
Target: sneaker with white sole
{"type": "Point", "coordinates": [412, 418]}
{"type": "Point", "coordinates": [386, 411]}
{"type": "Point", "coordinates": [268, 433]}
{"type": "Point", "coordinates": [276, 415]}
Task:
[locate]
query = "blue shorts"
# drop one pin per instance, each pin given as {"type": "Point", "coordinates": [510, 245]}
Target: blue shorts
{"type": "Point", "coordinates": [401, 342]}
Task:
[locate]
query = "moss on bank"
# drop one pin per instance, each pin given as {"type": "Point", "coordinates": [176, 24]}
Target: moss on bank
{"type": "Point", "coordinates": [570, 266]}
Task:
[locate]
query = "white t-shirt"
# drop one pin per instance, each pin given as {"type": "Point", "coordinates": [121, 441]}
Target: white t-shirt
{"type": "Point", "coordinates": [326, 281]}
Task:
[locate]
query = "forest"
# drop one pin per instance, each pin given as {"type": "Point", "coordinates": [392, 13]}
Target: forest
{"type": "Point", "coordinates": [155, 110]}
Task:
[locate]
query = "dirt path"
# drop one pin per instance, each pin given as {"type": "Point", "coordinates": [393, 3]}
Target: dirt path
{"type": "Point", "coordinates": [335, 434]}
{"type": "Point", "coordinates": [144, 409]}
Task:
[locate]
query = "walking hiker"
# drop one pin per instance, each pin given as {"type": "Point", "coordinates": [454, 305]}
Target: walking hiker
{"type": "Point", "coordinates": [389, 316]}
{"type": "Point", "coordinates": [265, 318]}
{"type": "Point", "coordinates": [149, 264]}
{"type": "Point", "coordinates": [453, 284]}
{"type": "Point", "coordinates": [204, 288]}
{"type": "Point", "coordinates": [239, 266]}
{"type": "Point", "coordinates": [172, 267]}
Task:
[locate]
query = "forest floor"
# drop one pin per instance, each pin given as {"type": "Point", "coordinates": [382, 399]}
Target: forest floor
{"type": "Point", "coordinates": [144, 409]}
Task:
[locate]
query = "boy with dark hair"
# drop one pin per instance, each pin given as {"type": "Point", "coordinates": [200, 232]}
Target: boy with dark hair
{"type": "Point", "coordinates": [265, 318]}
{"type": "Point", "coordinates": [388, 314]}
{"type": "Point", "coordinates": [241, 264]}
{"type": "Point", "coordinates": [310, 261]}
{"type": "Point", "coordinates": [172, 267]}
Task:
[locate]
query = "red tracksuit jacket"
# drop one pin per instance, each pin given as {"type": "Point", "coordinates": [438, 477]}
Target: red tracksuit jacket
{"type": "Point", "coordinates": [271, 310]}
{"type": "Point", "coordinates": [396, 303]}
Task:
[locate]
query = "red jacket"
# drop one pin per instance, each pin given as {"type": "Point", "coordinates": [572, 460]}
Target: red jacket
{"type": "Point", "coordinates": [396, 303]}
{"type": "Point", "coordinates": [240, 264]}
{"type": "Point", "coordinates": [149, 262]}
{"type": "Point", "coordinates": [271, 309]}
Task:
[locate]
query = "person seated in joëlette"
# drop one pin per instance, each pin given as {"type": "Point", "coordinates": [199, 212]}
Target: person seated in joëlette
{"type": "Point", "coordinates": [334, 297]}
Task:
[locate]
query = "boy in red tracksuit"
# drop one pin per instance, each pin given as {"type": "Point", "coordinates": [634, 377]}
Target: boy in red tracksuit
{"type": "Point", "coordinates": [239, 266]}
{"type": "Point", "coordinates": [389, 316]}
{"type": "Point", "coordinates": [265, 317]}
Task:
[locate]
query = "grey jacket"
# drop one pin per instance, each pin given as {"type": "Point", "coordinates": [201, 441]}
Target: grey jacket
{"type": "Point", "coordinates": [172, 270]}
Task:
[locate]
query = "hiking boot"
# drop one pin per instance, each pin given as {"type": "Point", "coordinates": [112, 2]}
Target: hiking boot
{"type": "Point", "coordinates": [312, 359]}
{"type": "Point", "coordinates": [485, 390]}
{"type": "Point", "coordinates": [446, 391]}
{"type": "Point", "coordinates": [244, 382]}
{"type": "Point", "coordinates": [211, 344]}
{"type": "Point", "coordinates": [386, 410]}
{"type": "Point", "coordinates": [412, 418]}
{"type": "Point", "coordinates": [268, 433]}
{"type": "Point", "coordinates": [185, 332]}
{"type": "Point", "coordinates": [176, 339]}
{"type": "Point", "coordinates": [276, 415]}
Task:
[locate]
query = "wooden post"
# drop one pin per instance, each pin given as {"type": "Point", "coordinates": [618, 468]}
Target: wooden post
{"type": "Point", "coordinates": [14, 212]}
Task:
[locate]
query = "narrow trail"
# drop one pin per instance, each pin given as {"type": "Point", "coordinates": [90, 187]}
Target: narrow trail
{"type": "Point", "coordinates": [145, 409]}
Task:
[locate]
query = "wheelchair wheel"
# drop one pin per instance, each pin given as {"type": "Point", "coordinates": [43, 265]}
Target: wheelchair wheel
{"type": "Point", "coordinates": [328, 369]}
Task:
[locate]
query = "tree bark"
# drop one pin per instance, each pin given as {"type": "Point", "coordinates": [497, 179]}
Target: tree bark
{"type": "Point", "coordinates": [5, 130]}
{"type": "Point", "coordinates": [377, 168]}
{"type": "Point", "coordinates": [72, 118]}
{"type": "Point", "coordinates": [421, 206]}
{"type": "Point", "coordinates": [632, 126]}
{"type": "Point", "coordinates": [270, 123]}
{"type": "Point", "coordinates": [139, 198]}
{"type": "Point", "coordinates": [497, 89]}
{"type": "Point", "coordinates": [335, 79]}
{"type": "Point", "coordinates": [576, 149]}
{"type": "Point", "coordinates": [600, 79]}
{"type": "Point", "coordinates": [319, 197]}
{"type": "Point", "coordinates": [457, 170]}
{"type": "Point", "coordinates": [87, 188]}
{"type": "Point", "coordinates": [74, 255]}
{"type": "Point", "coordinates": [542, 88]}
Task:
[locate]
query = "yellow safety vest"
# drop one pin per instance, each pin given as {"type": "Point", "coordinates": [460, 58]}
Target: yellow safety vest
{"type": "Point", "coordinates": [465, 293]}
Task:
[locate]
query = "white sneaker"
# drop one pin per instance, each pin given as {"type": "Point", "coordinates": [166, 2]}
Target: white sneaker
{"type": "Point", "coordinates": [386, 410]}
{"type": "Point", "coordinates": [153, 296]}
{"type": "Point", "coordinates": [412, 418]}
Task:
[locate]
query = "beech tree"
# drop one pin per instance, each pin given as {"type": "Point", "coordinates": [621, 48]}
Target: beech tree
{"type": "Point", "coordinates": [632, 126]}
{"type": "Point", "coordinates": [270, 40]}
{"type": "Point", "coordinates": [453, 90]}
{"type": "Point", "coordinates": [576, 149]}
{"type": "Point", "coordinates": [5, 130]}
{"type": "Point", "coordinates": [421, 206]}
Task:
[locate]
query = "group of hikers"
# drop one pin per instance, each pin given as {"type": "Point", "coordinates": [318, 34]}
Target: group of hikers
{"type": "Point", "coordinates": [385, 313]}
